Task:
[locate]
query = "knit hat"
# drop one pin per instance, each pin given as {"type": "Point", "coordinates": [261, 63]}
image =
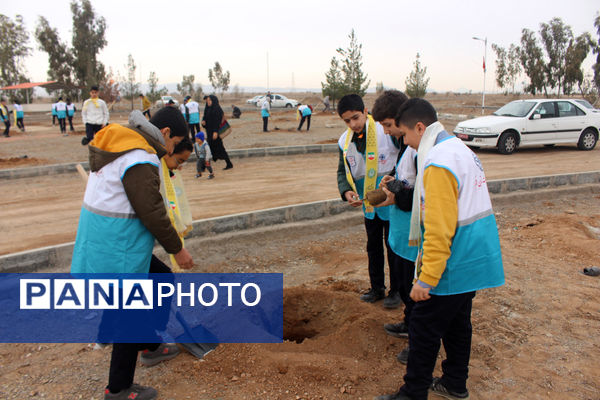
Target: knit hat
{"type": "Point", "coordinates": [200, 135]}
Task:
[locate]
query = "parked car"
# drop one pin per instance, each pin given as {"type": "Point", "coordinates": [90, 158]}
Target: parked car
{"type": "Point", "coordinates": [587, 105]}
{"type": "Point", "coordinates": [254, 99]}
{"type": "Point", "coordinates": [532, 122]}
{"type": "Point", "coordinates": [164, 100]}
{"type": "Point", "coordinates": [278, 100]}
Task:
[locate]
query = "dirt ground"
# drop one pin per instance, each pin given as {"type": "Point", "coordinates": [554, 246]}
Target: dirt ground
{"type": "Point", "coordinates": [534, 338]}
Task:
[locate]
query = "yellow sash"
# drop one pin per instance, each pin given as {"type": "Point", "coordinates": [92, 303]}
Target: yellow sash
{"type": "Point", "coordinates": [176, 204]}
{"type": "Point", "coordinates": [371, 162]}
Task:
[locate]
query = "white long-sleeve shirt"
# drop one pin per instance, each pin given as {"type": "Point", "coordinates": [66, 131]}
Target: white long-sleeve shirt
{"type": "Point", "coordinates": [95, 115]}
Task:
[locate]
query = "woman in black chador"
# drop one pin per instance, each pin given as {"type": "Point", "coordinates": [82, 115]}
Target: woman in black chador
{"type": "Point", "coordinates": [212, 119]}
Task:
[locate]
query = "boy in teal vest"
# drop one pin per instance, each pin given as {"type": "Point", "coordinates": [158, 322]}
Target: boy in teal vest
{"type": "Point", "coordinates": [366, 155]}
{"type": "Point", "coordinates": [400, 201]}
{"type": "Point", "coordinates": [460, 253]}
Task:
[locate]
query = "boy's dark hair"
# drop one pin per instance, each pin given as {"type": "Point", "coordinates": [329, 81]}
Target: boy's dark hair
{"type": "Point", "coordinates": [141, 95]}
{"type": "Point", "coordinates": [388, 104]}
{"type": "Point", "coordinates": [169, 117]}
{"type": "Point", "coordinates": [416, 110]}
{"type": "Point", "coordinates": [350, 102]}
{"type": "Point", "coordinates": [94, 88]}
{"type": "Point", "coordinates": [182, 146]}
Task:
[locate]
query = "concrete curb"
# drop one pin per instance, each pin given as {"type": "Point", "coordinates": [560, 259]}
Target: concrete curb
{"type": "Point", "coordinates": [55, 169]}
{"type": "Point", "coordinates": [53, 256]}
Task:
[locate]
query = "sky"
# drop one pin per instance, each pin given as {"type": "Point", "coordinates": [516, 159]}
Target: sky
{"type": "Point", "coordinates": [284, 44]}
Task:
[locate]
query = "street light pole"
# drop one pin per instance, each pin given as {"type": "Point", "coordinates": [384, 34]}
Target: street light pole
{"type": "Point", "coordinates": [484, 40]}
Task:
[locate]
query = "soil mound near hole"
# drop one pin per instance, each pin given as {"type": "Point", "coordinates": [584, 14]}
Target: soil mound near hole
{"type": "Point", "coordinates": [328, 338]}
{"type": "Point", "coordinates": [16, 161]}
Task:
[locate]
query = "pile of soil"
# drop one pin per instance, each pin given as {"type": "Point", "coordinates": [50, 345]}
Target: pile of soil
{"type": "Point", "coordinates": [12, 162]}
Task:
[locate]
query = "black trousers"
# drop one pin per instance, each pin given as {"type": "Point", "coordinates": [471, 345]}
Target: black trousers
{"type": "Point", "coordinates": [194, 128]}
{"type": "Point", "coordinates": [445, 318]}
{"type": "Point", "coordinates": [71, 122]}
{"type": "Point", "coordinates": [265, 123]}
{"type": "Point", "coordinates": [63, 124]}
{"type": "Point", "coordinates": [90, 130]}
{"type": "Point", "coordinates": [201, 166]}
{"type": "Point", "coordinates": [54, 119]}
{"type": "Point", "coordinates": [147, 112]}
{"type": "Point", "coordinates": [307, 118]}
{"type": "Point", "coordinates": [377, 234]}
{"type": "Point", "coordinates": [124, 355]}
{"type": "Point", "coordinates": [6, 127]}
{"type": "Point", "coordinates": [20, 124]}
{"type": "Point", "coordinates": [405, 273]}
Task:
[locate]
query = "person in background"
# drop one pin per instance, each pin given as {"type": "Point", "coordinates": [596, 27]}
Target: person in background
{"type": "Point", "coordinates": [305, 114]}
{"type": "Point", "coordinates": [61, 114]}
{"type": "Point", "coordinates": [70, 113]}
{"type": "Point", "coordinates": [146, 105]}
{"type": "Point", "coordinates": [193, 119]}
{"type": "Point", "coordinates": [265, 109]}
{"type": "Point", "coordinates": [212, 119]}
{"type": "Point", "coordinates": [5, 116]}
{"type": "Point", "coordinates": [53, 114]}
{"type": "Point", "coordinates": [236, 112]}
{"type": "Point", "coordinates": [19, 115]}
{"type": "Point", "coordinates": [203, 154]}
{"type": "Point", "coordinates": [326, 103]}
{"type": "Point", "coordinates": [94, 114]}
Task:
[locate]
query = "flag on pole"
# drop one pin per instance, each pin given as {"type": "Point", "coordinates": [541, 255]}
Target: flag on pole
{"type": "Point", "coordinates": [483, 64]}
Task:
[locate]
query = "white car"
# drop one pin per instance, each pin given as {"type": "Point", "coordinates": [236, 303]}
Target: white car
{"type": "Point", "coordinates": [532, 122]}
{"type": "Point", "coordinates": [254, 99]}
{"type": "Point", "coordinates": [164, 100]}
{"type": "Point", "coordinates": [278, 100]}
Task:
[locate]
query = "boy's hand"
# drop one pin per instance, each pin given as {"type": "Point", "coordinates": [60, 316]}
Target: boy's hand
{"type": "Point", "coordinates": [207, 164]}
{"type": "Point", "coordinates": [203, 123]}
{"type": "Point", "coordinates": [215, 135]}
{"type": "Point", "coordinates": [353, 199]}
{"type": "Point", "coordinates": [385, 180]}
{"type": "Point", "coordinates": [389, 200]}
{"type": "Point", "coordinates": [184, 259]}
{"type": "Point", "coordinates": [419, 293]}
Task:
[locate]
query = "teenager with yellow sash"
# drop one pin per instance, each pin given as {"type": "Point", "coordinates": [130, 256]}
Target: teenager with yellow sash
{"type": "Point", "coordinates": [173, 192]}
{"type": "Point", "coordinates": [366, 155]}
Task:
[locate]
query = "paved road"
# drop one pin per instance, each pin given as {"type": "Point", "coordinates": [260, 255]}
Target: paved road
{"type": "Point", "coordinates": [42, 211]}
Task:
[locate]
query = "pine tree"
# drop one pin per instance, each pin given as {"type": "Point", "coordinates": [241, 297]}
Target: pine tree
{"type": "Point", "coordinates": [416, 84]}
{"type": "Point", "coordinates": [354, 77]}
{"type": "Point", "coordinates": [333, 85]}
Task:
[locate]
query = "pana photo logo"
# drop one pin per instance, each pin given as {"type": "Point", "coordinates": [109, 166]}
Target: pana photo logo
{"type": "Point", "coordinates": [130, 294]}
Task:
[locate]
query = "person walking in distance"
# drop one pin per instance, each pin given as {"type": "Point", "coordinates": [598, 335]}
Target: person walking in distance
{"type": "Point", "coordinates": [94, 114]}
{"type": "Point", "coordinates": [70, 113]}
{"type": "Point", "coordinates": [19, 115]}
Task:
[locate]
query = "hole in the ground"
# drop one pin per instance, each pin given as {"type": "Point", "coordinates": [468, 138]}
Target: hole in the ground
{"type": "Point", "coordinates": [310, 313]}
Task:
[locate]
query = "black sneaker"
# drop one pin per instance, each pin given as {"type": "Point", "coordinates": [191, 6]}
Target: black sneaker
{"type": "Point", "coordinates": [228, 167]}
{"type": "Point", "coordinates": [163, 353]}
{"type": "Point", "coordinates": [137, 392]}
{"type": "Point", "coordinates": [394, 396]}
{"type": "Point", "coordinates": [392, 300]}
{"type": "Point", "coordinates": [373, 295]}
{"type": "Point", "coordinates": [84, 141]}
{"type": "Point", "coordinates": [396, 330]}
{"type": "Point", "coordinates": [438, 388]}
{"type": "Point", "coordinates": [402, 357]}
